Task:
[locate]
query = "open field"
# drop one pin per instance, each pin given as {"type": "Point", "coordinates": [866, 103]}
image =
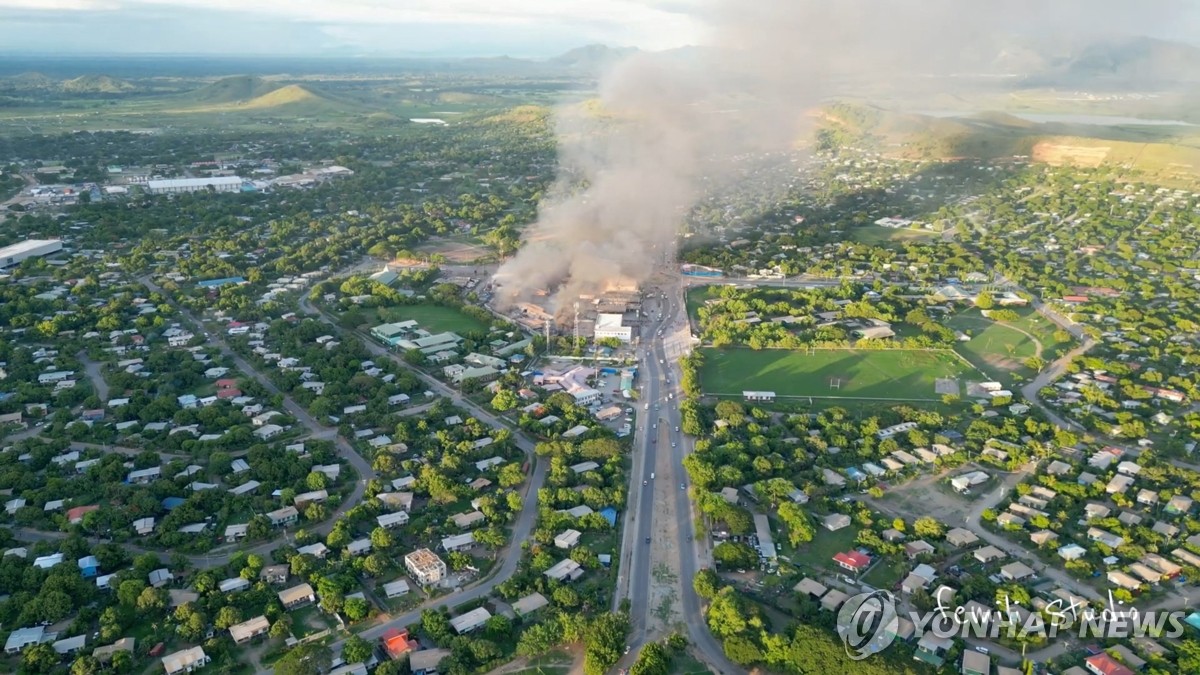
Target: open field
{"type": "Point", "coordinates": [884, 374]}
{"type": "Point", "coordinates": [877, 235]}
{"type": "Point", "coordinates": [995, 346]}
{"type": "Point", "coordinates": [433, 318]}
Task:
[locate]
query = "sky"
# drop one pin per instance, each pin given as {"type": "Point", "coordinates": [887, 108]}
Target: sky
{"type": "Point", "coordinates": [524, 28]}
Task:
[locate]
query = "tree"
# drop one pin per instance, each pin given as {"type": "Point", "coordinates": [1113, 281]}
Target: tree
{"type": "Point", "coordinates": [504, 400]}
{"type": "Point", "coordinates": [151, 600]}
{"type": "Point", "coordinates": [652, 660]}
{"type": "Point", "coordinates": [356, 609]}
{"type": "Point", "coordinates": [40, 658]}
{"type": "Point", "coordinates": [605, 643]}
{"type": "Point", "coordinates": [706, 583]}
{"type": "Point", "coordinates": [307, 659]}
{"type": "Point", "coordinates": [282, 627]}
{"type": "Point", "coordinates": [356, 650]}
{"type": "Point", "coordinates": [737, 555]}
{"type": "Point", "coordinates": [227, 616]}
{"type": "Point", "coordinates": [928, 528]}
{"type": "Point", "coordinates": [985, 300]}
{"type": "Point", "coordinates": [800, 527]}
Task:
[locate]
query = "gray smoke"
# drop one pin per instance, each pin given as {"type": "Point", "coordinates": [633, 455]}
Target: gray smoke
{"type": "Point", "coordinates": [669, 126]}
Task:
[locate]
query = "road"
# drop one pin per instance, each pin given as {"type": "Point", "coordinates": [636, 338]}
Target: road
{"type": "Point", "coordinates": [665, 339]}
{"type": "Point", "coordinates": [95, 375]}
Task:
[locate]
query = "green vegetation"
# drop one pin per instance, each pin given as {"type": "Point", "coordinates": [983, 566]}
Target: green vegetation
{"type": "Point", "coordinates": [433, 318]}
{"type": "Point", "coordinates": [884, 374]}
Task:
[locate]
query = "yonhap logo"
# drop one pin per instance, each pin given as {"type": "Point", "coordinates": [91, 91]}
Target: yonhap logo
{"type": "Point", "coordinates": [868, 623]}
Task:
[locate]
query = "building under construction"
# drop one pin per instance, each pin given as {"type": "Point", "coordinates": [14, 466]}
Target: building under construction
{"type": "Point", "coordinates": [581, 316]}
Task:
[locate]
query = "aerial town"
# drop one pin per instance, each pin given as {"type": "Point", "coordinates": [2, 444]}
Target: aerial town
{"type": "Point", "coordinates": [423, 365]}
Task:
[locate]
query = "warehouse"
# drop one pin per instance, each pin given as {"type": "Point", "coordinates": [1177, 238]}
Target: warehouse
{"type": "Point", "coordinates": [30, 248]}
{"type": "Point", "coordinates": [181, 185]}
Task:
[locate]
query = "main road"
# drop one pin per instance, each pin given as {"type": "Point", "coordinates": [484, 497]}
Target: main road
{"type": "Point", "coordinates": [665, 339]}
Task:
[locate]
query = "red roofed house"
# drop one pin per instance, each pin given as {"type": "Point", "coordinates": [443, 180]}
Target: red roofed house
{"type": "Point", "coordinates": [396, 643]}
{"type": "Point", "coordinates": [226, 383]}
{"type": "Point", "coordinates": [852, 561]}
{"type": "Point", "coordinates": [1075, 299]}
{"type": "Point", "coordinates": [228, 393]}
{"type": "Point", "coordinates": [76, 514]}
{"type": "Point", "coordinates": [1103, 664]}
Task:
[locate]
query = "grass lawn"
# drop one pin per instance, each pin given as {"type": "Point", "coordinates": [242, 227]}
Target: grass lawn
{"type": "Point", "coordinates": [886, 574]}
{"type": "Point", "coordinates": [994, 347]}
{"type": "Point", "coordinates": [433, 318]}
{"type": "Point", "coordinates": [819, 552]}
{"type": "Point", "coordinates": [696, 295]}
{"type": "Point", "coordinates": [884, 374]}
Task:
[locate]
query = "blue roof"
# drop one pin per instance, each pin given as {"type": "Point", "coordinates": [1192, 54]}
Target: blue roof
{"type": "Point", "coordinates": [610, 514]}
{"type": "Point", "coordinates": [172, 502]}
{"type": "Point", "coordinates": [1193, 620]}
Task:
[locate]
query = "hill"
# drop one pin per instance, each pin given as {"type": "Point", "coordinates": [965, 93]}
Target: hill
{"type": "Point", "coordinates": [591, 58]}
{"type": "Point", "coordinates": [291, 99]}
{"type": "Point", "coordinates": [236, 89]}
{"type": "Point", "coordinates": [97, 84]}
{"type": "Point", "coordinates": [30, 80]}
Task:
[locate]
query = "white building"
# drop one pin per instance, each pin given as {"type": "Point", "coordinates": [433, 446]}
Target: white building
{"type": "Point", "coordinates": [609, 326]}
{"type": "Point", "coordinates": [30, 248]}
{"type": "Point", "coordinates": [181, 185]}
{"type": "Point", "coordinates": [425, 566]}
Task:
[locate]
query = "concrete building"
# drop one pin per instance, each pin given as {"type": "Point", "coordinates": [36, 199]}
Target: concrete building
{"type": "Point", "coordinates": [610, 326]}
{"type": "Point", "coordinates": [13, 255]}
{"type": "Point", "coordinates": [425, 566]}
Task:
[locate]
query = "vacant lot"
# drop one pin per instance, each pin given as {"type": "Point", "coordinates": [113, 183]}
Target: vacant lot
{"type": "Point", "coordinates": [884, 374]}
{"type": "Point", "coordinates": [433, 318]}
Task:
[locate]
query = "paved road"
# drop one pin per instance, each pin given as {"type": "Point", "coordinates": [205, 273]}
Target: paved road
{"type": "Point", "coordinates": [660, 376]}
{"type": "Point", "coordinates": [96, 376]}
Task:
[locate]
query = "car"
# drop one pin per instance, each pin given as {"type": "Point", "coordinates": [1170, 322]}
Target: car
{"type": "Point", "coordinates": [647, 540]}
{"type": "Point", "coordinates": [683, 486]}
{"type": "Point", "coordinates": [645, 482]}
{"type": "Point", "coordinates": [651, 475]}
{"type": "Point", "coordinates": [671, 396]}
{"type": "Point", "coordinates": [674, 445]}
{"type": "Point", "coordinates": [677, 429]}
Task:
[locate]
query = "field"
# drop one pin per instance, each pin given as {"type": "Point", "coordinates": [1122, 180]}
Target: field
{"type": "Point", "coordinates": [877, 235]}
{"type": "Point", "coordinates": [884, 374]}
{"type": "Point", "coordinates": [995, 345]}
{"type": "Point", "coordinates": [433, 318]}
{"type": "Point", "coordinates": [1001, 348]}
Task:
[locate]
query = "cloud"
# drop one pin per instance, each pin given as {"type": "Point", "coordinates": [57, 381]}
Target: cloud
{"type": "Point", "coordinates": [654, 24]}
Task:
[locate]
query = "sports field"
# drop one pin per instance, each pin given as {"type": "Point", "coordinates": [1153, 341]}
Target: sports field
{"type": "Point", "coordinates": [886, 374]}
{"type": "Point", "coordinates": [433, 318]}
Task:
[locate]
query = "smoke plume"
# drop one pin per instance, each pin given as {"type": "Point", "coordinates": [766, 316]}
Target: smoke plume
{"type": "Point", "coordinates": [668, 126]}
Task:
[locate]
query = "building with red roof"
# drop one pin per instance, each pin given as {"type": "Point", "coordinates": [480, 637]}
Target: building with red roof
{"type": "Point", "coordinates": [1103, 664]}
{"type": "Point", "coordinates": [852, 561]}
{"type": "Point", "coordinates": [396, 642]}
{"type": "Point", "coordinates": [226, 383]}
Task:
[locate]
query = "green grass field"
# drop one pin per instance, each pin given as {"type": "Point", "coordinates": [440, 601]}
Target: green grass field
{"type": "Point", "coordinates": [994, 346]}
{"type": "Point", "coordinates": [885, 374]}
{"type": "Point", "coordinates": [433, 318]}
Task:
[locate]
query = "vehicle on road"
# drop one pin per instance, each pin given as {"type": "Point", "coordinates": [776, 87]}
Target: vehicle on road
{"type": "Point", "coordinates": [674, 445]}
{"type": "Point", "coordinates": [647, 540]}
{"type": "Point", "coordinates": [682, 486]}
{"type": "Point", "coordinates": [651, 475]}
{"type": "Point", "coordinates": [645, 482]}
{"type": "Point", "coordinates": [676, 429]}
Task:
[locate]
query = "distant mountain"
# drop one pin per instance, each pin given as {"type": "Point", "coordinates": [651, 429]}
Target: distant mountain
{"type": "Point", "coordinates": [291, 99]}
{"type": "Point", "coordinates": [591, 58]}
{"type": "Point", "coordinates": [1135, 60]}
{"type": "Point", "coordinates": [240, 88]}
{"type": "Point", "coordinates": [29, 80]}
{"type": "Point", "coordinates": [97, 84]}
